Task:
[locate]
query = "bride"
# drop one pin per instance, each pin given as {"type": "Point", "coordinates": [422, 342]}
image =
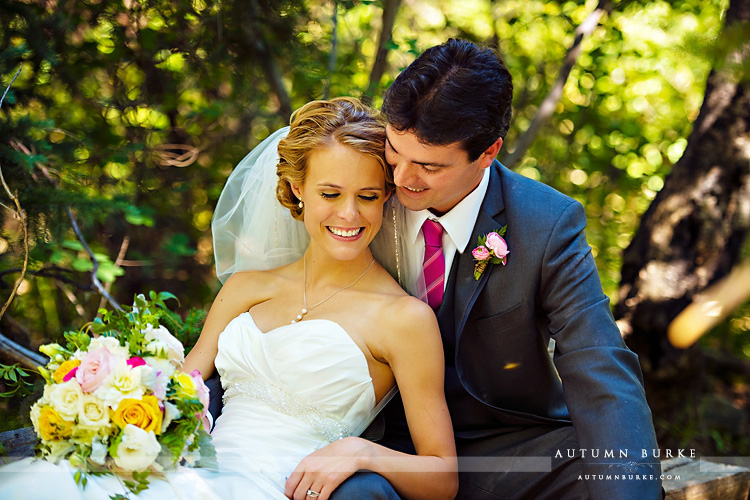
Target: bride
{"type": "Point", "coordinates": [310, 350]}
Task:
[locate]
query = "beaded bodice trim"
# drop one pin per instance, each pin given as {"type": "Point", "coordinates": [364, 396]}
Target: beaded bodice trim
{"type": "Point", "coordinates": [290, 404]}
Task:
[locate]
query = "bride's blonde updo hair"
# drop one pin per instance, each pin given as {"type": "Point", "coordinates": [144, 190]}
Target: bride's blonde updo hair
{"type": "Point", "coordinates": [341, 120]}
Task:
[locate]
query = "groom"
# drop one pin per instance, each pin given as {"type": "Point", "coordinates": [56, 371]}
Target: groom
{"type": "Point", "coordinates": [526, 425]}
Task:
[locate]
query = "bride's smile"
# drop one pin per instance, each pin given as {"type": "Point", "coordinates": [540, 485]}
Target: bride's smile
{"type": "Point", "coordinates": [346, 233]}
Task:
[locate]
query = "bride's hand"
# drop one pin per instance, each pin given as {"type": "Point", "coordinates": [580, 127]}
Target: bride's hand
{"type": "Point", "coordinates": [325, 469]}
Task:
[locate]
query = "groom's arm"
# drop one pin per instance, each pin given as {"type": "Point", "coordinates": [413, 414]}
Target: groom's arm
{"type": "Point", "coordinates": [601, 377]}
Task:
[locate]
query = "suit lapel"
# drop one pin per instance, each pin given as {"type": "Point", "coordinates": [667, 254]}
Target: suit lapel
{"type": "Point", "coordinates": [467, 289]}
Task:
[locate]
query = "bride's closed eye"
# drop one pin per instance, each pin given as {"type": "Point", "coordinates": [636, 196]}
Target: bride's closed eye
{"type": "Point", "coordinates": [333, 196]}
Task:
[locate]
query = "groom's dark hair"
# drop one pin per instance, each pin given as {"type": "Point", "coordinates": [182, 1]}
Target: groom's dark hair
{"type": "Point", "coordinates": [453, 92]}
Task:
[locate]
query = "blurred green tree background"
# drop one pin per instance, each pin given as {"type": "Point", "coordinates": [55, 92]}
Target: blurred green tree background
{"type": "Point", "coordinates": [127, 116]}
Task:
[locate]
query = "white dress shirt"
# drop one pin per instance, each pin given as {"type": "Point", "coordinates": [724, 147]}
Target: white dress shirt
{"type": "Point", "coordinates": [458, 224]}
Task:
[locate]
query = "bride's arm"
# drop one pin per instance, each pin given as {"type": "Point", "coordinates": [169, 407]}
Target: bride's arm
{"type": "Point", "coordinates": [229, 304]}
{"type": "Point", "coordinates": [413, 349]}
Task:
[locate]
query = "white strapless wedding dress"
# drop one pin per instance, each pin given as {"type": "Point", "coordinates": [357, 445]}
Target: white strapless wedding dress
{"type": "Point", "coordinates": [288, 392]}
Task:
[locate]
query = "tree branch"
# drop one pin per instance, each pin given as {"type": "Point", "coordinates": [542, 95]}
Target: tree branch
{"type": "Point", "coordinates": [19, 213]}
{"type": "Point", "coordinates": [390, 9]}
{"type": "Point", "coordinates": [52, 272]}
{"type": "Point", "coordinates": [94, 278]}
{"type": "Point", "coordinates": [547, 108]}
{"type": "Point", "coordinates": [118, 262]}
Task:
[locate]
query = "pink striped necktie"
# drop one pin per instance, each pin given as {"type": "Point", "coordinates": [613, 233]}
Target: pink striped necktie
{"type": "Point", "coordinates": [433, 267]}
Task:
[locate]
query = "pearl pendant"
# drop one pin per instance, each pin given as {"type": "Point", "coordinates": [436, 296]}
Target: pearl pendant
{"type": "Point", "coordinates": [300, 316]}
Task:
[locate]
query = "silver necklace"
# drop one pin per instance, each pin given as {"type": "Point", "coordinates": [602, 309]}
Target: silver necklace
{"type": "Point", "coordinates": [307, 308]}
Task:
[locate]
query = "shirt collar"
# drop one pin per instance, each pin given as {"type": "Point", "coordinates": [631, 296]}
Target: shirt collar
{"type": "Point", "coordinates": [455, 221]}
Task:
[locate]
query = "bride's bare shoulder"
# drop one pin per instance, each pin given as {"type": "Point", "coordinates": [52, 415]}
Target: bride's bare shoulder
{"type": "Point", "coordinates": [408, 310]}
{"type": "Point", "coordinates": [254, 285]}
{"type": "Point", "coordinates": [261, 277]}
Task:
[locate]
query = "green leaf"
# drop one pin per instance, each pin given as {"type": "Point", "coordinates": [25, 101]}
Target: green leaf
{"type": "Point", "coordinates": [138, 217]}
{"type": "Point", "coordinates": [83, 265]}
{"type": "Point", "coordinates": [73, 245]}
{"type": "Point", "coordinates": [166, 295]}
{"type": "Point", "coordinates": [108, 271]}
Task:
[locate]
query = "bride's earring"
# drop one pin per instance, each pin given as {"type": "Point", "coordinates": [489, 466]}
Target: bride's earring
{"type": "Point", "coordinates": [301, 205]}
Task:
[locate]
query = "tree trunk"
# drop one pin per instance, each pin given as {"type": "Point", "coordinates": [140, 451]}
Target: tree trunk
{"type": "Point", "coordinates": [692, 233]}
{"type": "Point", "coordinates": [390, 9]}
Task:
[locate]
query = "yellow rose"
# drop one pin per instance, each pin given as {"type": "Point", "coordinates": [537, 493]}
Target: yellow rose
{"type": "Point", "coordinates": [60, 373]}
{"type": "Point", "coordinates": [52, 426]}
{"type": "Point", "coordinates": [186, 386]}
{"type": "Point", "coordinates": [143, 413]}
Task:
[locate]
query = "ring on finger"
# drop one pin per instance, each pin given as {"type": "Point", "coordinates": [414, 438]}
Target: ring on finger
{"type": "Point", "coordinates": [313, 493]}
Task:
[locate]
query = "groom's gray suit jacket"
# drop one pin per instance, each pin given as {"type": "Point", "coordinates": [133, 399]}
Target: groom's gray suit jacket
{"type": "Point", "coordinates": [496, 332]}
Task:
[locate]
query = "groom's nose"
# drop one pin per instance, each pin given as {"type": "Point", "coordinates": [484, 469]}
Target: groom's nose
{"type": "Point", "coordinates": [402, 173]}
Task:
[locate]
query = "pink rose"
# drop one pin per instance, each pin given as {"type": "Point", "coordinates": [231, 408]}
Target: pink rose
{"type": "Point", "coordinates": [135, 361]}
{"type": "Point", "coordinates": [497, 244]}
{"type": "Point", "coordinates": [481, 253]}
{"type": "Point", "coordinates": [94, 367]}
{"type": "Point", "coordinates": [202, 389]}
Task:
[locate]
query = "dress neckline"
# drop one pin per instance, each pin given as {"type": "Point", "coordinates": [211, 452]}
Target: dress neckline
{"type": "Point", "coordinates": [282, 327]}
{"type": "Point", "coordinates": [340, 329]}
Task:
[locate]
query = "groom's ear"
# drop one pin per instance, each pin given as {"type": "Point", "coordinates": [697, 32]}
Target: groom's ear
{"type": "Point", "coordinates": [490, 153]}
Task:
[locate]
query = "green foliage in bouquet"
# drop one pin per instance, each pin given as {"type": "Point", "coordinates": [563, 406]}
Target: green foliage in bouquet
{"type": "Point", "coordinates": [118, 402]}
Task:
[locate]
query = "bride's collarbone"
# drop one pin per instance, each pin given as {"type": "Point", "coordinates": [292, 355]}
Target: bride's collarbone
{"type": "Point", "coordinates": [347, 307]}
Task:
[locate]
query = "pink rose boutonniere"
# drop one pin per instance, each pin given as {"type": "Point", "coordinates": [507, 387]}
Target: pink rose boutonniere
{"type": "Point", "coordinates": [492, 249]}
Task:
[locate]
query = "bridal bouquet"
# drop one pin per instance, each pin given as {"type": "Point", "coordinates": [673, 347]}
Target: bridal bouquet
{"type": "Point", "coordinates": [118, 403]}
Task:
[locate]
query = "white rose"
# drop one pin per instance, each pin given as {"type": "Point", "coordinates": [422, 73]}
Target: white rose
{"type": "Point", "coordinates": [122, 382]}
{"type": "Point", "coordinates": [137, 450]}
{"type": "Point", "coordinates": [111, 344]}
{"type": "Point", "coordinates": [65, 399]}
{"type": "Point", "coordinates": [93, 413]}
{"type": "Point", "coordinates": [173, 348]}
{"type": "Point", "coordinates": [44, 400]}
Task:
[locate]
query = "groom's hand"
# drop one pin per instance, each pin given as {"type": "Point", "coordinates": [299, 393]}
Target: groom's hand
{"type": "Point", "coordinates": [324, 470]}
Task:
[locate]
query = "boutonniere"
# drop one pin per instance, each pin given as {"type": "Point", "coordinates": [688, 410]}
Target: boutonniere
{"type": "Point", "coordinates": [492, 249]}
